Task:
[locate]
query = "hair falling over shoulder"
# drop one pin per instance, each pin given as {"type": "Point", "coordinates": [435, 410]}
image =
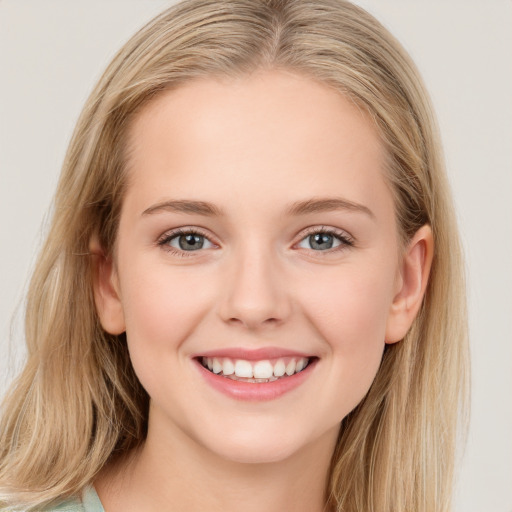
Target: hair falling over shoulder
{"type": "Point", "coordinates": [77, 403]}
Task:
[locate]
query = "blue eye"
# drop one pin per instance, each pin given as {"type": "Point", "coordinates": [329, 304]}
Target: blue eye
{"type": "Point", "coordinates": [185, 241]}
{"type": "Point", "coordinates": [326, 239]}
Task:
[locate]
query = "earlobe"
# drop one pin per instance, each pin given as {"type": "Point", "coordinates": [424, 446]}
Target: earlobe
{"type": "Point", "coordinates": [106, 290]}
{"type": "Point", "coordinates": [411, 284]}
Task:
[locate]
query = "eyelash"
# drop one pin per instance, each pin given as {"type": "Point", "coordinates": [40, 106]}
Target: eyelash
{"type": "Point", "coordinates": [167, 237]}
{"type": "Point", "coordinates": [346, 241]}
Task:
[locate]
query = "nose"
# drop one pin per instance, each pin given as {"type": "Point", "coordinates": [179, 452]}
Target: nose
{"type": "Point", "coordinates": [254, 293]}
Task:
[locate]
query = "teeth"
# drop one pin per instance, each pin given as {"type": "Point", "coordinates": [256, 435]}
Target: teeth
{"type": "Point", "coordinates": [243, 369]}
{"type": "Point", "coordinates": [263, 370]}
{"type": "Point", "coordinates": [217, 366]}
{"type": "Point", "coordinates": [279, 368]}
{"type": "Point", "coordinates": [228, 368]}
{"type": "Point", "coordinates": [256, 371]}
{"type": "Point", "coordinates": [290, 367]}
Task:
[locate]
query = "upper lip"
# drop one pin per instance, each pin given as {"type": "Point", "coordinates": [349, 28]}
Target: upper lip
{"type": "Point", "coordinates": [257, 354]}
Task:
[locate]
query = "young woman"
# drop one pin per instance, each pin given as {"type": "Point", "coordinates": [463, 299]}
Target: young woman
{"type": "Point", "coordinates": [251, 292]}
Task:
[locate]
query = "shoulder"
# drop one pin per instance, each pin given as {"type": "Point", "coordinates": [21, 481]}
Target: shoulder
{"type": "Point", "coordinates": [90, 502]}
{"type": "Point", "coordinates": [75, 505]}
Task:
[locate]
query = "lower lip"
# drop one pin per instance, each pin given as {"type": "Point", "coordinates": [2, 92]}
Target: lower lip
{"type": "Point", "coordinates": [255, 391]}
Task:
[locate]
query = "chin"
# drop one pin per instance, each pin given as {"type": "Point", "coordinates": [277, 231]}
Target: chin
{"type": "Point", "coordinates": [256, 446]}
{"type": "Point", "coordinates": [256, 455]}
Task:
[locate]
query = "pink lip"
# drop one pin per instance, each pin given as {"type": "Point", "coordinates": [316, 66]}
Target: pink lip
{"type": "Point", "coordinates": [254, 391]}
{"type": "Point", "coordinates": [253, 354]}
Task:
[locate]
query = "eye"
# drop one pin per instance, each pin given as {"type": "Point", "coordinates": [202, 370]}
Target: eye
{"type": "Point", "coordinates": [184, 240]}
{"type": "Point", "coordinates": [326, 239]}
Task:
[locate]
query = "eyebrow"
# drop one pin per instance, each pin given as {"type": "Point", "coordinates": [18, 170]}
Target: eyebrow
{"type": "Point", "coordinates": [185, 206]}
{"type": "Point", "coordinates": [314, 205]}
{"type": "Point", "coordinates": [327, 204]}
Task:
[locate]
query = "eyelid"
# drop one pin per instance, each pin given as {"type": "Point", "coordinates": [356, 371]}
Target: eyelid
{"type": "Point", "coordinates": [346, 239]}
{"type": "Point", "coordinates": [163, 240]}
{"type": "Point", "coordinates": [171, 233]}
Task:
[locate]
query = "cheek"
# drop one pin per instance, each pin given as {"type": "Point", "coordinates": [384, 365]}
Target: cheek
{"type": "Point", "coordinates": [350, 312]}
{"type": "Point", "coordinates": [350, 307]}
{"type": "Point", "coordinates": [162, 308]}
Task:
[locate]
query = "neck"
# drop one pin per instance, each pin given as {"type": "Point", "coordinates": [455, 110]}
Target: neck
{"type": "Point", "coordinates": [175, 473]}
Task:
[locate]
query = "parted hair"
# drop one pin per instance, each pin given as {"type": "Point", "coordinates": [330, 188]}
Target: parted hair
{"type": "Point", "coordinates": [77, 403]}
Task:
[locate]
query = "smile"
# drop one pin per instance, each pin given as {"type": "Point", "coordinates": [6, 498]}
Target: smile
{"type": "Point", "coordinates": [255, 371]}
{"type": "Point", "coordinates": [255, 375]}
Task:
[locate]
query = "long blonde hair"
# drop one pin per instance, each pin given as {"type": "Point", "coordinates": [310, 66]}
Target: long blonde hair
{"type": "Point", "coordinates": [77, 402]}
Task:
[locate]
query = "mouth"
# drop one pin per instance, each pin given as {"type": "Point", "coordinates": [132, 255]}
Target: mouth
{"type": "Point", "coordinates": [256, 371]}
{"type": "Point", "coordinates": [255, 375]}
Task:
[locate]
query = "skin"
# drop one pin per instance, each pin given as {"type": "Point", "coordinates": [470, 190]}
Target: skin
{"type": "Point", "coordinates": [252, 147]}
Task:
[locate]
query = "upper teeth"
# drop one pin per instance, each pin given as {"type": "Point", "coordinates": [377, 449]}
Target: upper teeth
{"type": "Point", "coordinates": [263, 369]}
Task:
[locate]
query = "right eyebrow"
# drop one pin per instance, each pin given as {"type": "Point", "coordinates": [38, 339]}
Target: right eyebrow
{"type": "Point", "coordinates": [185, 206]}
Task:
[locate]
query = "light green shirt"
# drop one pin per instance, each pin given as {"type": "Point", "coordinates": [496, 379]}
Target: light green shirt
{"type": "Point", "coordinates": [90, 502]}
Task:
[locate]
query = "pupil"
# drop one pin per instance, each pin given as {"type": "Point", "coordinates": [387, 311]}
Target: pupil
{"type": "Point", "coordinates": [321, 241]}
{"type": "Point", "coordinates": [190, 242]}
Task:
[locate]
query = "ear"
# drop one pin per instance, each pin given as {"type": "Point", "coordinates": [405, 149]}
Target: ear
{"type": "Point", "coordinates": [106, 290]}
{"type": "Point", "coordinates": [411, 284]}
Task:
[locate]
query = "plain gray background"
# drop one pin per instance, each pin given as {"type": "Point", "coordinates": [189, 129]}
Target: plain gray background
{"type": "Point", "coordinates": [53, 51]}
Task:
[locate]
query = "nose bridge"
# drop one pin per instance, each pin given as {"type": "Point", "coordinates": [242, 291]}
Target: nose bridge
{"type": "Point", "coordinates": [255, 294]}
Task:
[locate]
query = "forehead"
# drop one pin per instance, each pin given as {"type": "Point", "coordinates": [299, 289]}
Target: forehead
{"type": "Point", "coordinates": [271, 135]}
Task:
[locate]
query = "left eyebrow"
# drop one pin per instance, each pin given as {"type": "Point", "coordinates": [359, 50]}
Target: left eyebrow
{"type": "Point", "coordinates": [327, 204]}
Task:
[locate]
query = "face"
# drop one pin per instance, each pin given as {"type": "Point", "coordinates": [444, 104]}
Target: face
{"type": "Point", "coordinates": [257, 235]}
